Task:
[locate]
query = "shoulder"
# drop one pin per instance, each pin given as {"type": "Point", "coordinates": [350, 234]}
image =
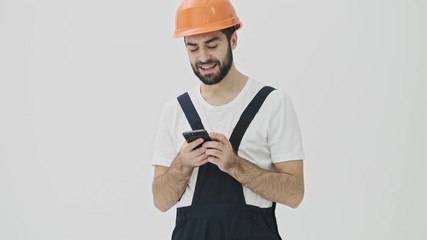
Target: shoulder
{"type": "Point", "coordinates": [172, 107]}
{"type": "Point", "coordinates": [275, 98]}
{"type": "Point", "coordinates": [279, 96]}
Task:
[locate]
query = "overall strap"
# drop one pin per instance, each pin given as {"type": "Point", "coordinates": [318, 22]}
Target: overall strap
{"type": "Point", "coordinates": [247, 116]}
{"type": "Point", "coordinates": [190, 111]}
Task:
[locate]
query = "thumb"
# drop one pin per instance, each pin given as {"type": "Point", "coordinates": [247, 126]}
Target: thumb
{"type": "Point", "coordinates": [216, 136]}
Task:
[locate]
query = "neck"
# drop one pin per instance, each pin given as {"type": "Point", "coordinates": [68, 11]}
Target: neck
{"type": "Point", "coordinates": [226, 90]}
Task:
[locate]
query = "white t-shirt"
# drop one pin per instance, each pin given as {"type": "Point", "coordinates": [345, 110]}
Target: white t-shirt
{"type": "Point", "coordinates": [272, 137]}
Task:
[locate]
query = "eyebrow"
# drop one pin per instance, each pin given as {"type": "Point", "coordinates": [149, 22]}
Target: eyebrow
{"type": "Point", "coordinates": [206, 42]}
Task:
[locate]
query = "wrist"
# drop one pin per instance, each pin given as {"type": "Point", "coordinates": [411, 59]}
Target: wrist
{"type": "Point", "coordinates": [234, 168]}
{"type": "Point", "coordinates": [179, 168]}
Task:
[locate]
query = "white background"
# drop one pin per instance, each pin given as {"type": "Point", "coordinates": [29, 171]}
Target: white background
{"type": "Point", "coordinates": [82, 83]}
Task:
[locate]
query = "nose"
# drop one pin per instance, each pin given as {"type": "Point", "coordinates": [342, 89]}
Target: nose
{"type": "Point", "coordinates": [204, 55]}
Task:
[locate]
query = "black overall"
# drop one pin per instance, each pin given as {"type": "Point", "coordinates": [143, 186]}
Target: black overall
{"type": "Point", "coordinates": [218, 210]}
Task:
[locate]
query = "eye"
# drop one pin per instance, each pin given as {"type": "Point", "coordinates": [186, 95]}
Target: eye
{"type": "Point", "coordinates": [193, 49]}
{"type": "Point", "coordinates": [213, 46]}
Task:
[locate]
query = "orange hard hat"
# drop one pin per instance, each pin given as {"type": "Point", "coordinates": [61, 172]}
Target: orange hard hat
{"type": "Point", "coordinates": [201, 16]}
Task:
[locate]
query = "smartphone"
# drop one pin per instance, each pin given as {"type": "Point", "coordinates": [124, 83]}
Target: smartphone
{"type": "Point", "coordinates": [196, 134]}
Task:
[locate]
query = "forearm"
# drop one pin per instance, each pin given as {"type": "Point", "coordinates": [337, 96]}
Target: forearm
{"type": "Point", "coordinates": [169, 187]}
{"type": "Point", "coordinates": [280, 187]}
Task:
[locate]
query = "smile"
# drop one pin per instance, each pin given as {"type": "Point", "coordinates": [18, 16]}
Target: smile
{"type": "Point", "coordinates": [207, 67]}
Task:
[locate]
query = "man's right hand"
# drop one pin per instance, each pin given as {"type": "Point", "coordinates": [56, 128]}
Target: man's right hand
{"type": "Point", "coordinates": [190, 156]}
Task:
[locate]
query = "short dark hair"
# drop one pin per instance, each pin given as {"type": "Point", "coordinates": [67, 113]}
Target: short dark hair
{"type": "Point", "coordinates": [229, 32]}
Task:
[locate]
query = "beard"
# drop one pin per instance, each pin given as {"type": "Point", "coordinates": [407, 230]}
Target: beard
{"type": "Point", "coordinates": [224, 68]}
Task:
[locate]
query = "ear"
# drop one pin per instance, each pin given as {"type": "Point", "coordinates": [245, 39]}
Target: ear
{"type": "Point", "coordinates": [233, 40]}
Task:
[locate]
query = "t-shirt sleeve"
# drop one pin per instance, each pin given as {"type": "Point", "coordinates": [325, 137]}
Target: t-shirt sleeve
{"type": "Point", "coordinates": [284, 136]}
{"type": "Point", "coordinates": [164, 148]}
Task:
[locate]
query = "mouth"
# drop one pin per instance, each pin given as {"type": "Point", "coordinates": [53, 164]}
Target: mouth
{"type": "Point", "coordinates": [207, 67]}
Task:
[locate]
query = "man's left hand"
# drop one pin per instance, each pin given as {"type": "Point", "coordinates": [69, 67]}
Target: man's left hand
{"type": "Point", "coordinates": [220, 151]}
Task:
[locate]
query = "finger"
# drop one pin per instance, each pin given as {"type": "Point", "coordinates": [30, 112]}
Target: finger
{"type": "Point", "coordinates": [195, 143]}
{"type": "Point", "coordinates": [198, 151]}
{"type": "Point", "coordinates": [213, 144]}
{"type": "Point", "coordinates": [214, 153]}
{"type": "Point", "coordinates": [217, 137]}
{"type": "Point", "coordinates": [189, 152]}
{"type": "Point", "coordinates": [200, 160]}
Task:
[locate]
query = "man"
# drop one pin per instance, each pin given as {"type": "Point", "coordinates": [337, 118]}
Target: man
{"type": "Point", "coordinates": [225, 188]}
